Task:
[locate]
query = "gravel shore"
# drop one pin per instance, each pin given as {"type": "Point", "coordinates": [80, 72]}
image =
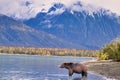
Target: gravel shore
{"type": "Point", "coordinates": [107, 68]}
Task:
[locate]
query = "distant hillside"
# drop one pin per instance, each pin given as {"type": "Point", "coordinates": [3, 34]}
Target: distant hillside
{"type": "Point", "coordinates": [15, 33]}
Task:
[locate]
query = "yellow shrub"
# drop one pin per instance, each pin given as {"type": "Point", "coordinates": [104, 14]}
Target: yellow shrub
{"type": "Point", "coordinates": [103, 56]}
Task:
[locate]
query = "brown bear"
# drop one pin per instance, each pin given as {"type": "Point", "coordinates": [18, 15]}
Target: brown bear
{"type": "Point", "coordinates": [75, 68]}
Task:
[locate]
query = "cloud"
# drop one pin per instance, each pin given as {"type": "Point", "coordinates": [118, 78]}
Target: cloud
{"type": "Point", "coordinates": [19, 9]}
{"type": "Point", "coordinates": [112, 5]}
{"type": "Point", "coordinates": [25, 9]}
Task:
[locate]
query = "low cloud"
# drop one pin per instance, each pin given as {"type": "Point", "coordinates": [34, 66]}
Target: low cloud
{"type": "Point", "coordinates": [112, 5]}
{"type": "Point", "coordinates": [25, 9]}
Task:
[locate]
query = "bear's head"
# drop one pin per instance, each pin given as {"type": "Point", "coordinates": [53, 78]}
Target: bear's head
{"type": "Point", "coordinates": [66, 65]}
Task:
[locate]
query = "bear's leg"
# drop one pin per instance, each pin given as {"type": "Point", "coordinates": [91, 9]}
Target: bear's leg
{"type": "Point", "coordinates": [70, 77]}
{"type": "Point", "coordinates": [70, 74]}
{"type": "Point", "coordinates": [84, 75]}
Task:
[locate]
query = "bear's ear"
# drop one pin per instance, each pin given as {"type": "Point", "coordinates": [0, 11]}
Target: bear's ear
{"type": "Point", "coordinates": [65, 63]}
{"type": "Point", "coordinates": [68, 64]}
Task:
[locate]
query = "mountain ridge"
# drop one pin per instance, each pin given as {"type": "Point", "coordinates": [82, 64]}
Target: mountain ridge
{"type": "Point", "coordinates": [30, 8]}
{"type": "Point", "coordinates": [63, 27]}
{"type": "Point", "coordinates": [79, 28]}
{"type": "Point", "coordinates": [15, 33]}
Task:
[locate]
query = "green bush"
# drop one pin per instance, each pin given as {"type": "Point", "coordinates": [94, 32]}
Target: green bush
{"type": "Point", "coordinates": [111, 51]}
{"type": "Point", "coordinates": [103, 56]}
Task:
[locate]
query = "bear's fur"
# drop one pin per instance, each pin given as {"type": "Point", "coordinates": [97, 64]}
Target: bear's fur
{"type": "Point", "coordinates": [75, 68]}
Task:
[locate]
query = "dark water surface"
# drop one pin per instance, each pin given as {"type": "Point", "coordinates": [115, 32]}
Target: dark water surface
{"type": "Point", "coordinates": [27, 67]}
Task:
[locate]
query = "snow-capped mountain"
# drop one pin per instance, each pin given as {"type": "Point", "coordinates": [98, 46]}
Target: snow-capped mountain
{"type": "Point", "coordinates": [74, 25]}
{"type": "Point", "coordinates": [25, 9]}
{"type": "Point", "coordinates": [78, 24]}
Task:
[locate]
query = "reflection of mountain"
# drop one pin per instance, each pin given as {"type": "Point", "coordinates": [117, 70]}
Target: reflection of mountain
{"type": "Point", "coordinates": [83, 28]}
{"type": "Point", "coordinates": [14, 33]}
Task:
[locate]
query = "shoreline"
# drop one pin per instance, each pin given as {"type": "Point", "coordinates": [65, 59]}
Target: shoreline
{"type": "Point", "coordinates": [48, 56]}
{"type": "Point", "coordinates": [107, 68]}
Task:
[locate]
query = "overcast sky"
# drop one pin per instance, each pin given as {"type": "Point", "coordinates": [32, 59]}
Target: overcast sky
{"type": "Point", "coordinates": [113, 5]}
{"type": "Point", "coordinates": [18, 8]}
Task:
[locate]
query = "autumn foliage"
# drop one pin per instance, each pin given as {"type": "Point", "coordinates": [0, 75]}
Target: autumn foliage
{"type": "Point", "coordinates": [111, 51]}
{"type": "Point", "coordinates": [48, 51]}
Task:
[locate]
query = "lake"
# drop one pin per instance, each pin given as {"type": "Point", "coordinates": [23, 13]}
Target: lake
{"type": "Point", "coordinates": [29, 67]}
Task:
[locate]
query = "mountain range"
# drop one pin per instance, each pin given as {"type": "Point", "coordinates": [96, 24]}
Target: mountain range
{"type": "Point", "coordinates": [15, 33]}
{"type": "Point", "coordinates": [79, 26]}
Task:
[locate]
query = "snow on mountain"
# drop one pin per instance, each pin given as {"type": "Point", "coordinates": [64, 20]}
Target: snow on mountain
{"type": "Point", "coordinates": [78, 24]}
{"type": "Point", "coordinates": [24, 9]}
{"type": "Point", "coordinates": [75, 7]}
{"type": "Point", "coordinates": [75, 25]}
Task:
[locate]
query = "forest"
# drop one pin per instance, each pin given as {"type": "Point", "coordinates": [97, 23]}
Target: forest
{"type": "Point", "coordinates": [48, 51]}
{"type": "Point", "coordinates": [107, 52]}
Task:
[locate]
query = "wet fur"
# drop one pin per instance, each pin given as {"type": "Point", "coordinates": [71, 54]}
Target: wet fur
{"type": "Point", "coordinates": [75, 68]}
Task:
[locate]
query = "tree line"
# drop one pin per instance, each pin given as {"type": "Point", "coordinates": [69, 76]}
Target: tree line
{"type": "Point", "coordinates": [48, 51]}
{"type": "Point", "coordinates": [110, 51]}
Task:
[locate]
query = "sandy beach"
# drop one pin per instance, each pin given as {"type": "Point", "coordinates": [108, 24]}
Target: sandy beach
{"type": "Point", "coordinates": [108, 68]}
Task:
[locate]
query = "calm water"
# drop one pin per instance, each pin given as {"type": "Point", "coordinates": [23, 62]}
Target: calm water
{"type": "Point", "coordinates": [27, 67]}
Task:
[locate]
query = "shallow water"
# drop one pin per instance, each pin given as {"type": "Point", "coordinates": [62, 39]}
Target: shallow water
{"type": "Point", "coordinates": [27, 67]}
